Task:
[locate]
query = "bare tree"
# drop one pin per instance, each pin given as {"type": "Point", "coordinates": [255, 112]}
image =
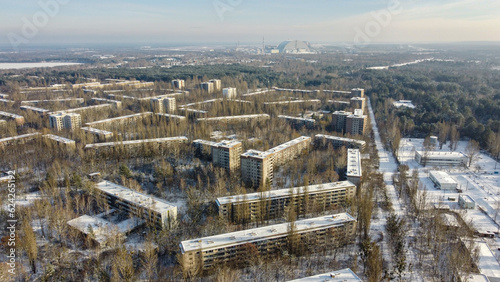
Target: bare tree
{"type": "Point", "coordinates": [472, 152]}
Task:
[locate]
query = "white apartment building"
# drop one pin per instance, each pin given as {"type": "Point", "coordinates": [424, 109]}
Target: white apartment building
{"type": "Point", "coordinates": [62, 121]}
{"type": "Point", "coordinates": [354, 172]}
{"type": "Point", "coordinates": [257, 168]}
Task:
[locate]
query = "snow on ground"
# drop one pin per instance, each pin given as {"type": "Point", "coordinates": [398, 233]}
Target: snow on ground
{"type": "Point", "coordinates": [479, 182]}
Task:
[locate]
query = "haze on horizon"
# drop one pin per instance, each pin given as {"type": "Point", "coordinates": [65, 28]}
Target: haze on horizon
{"type": "Point", "coordinates": [153, 22]}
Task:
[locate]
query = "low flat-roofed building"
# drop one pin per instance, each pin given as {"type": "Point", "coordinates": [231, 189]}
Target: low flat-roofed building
{"type": "Point", "coordinates": [298, 121]}
{"type": "Point", "coordinates": [6, 101]}
{"type": "Point", "coordinates": [19, 119]}
{"type": "Point", "coordinates": [404, 104]}
{"type": "Point", "coordinates": [257, 168]}
{"type": "Point", "coordinates": [437, 158]}
{"type": "Point", "coordinates": [358, 92]}
{"type": "Point", "coordinates": [449, 221]}
{"type": "Point", "coordinates": [19, 139]}
{"type": "Point", "coordinates": [138, 143]}
{"type": "Point", "coordinates": [35, 109]}
{"type": "Point", "coordinates": [101, 230]}
{"type": "Point", "coordinates": [170, 117]}
{"type": "Point", "coordinates": [100, 135]}
{"type": "Point", "coordinates": [193, 113]}
{"type": "Point", "coordinates": [442, 180]}
{"type": "Point", "coordinates": [271, 204]}
{"type": "Point", "coordinates": [121, 120]}
{"type": "Point", "coordinates": [466, 202]}
{"type": "Point", "coordinates": [205, 253]}
{"type": "Point", "coordinates": [118, 104]}
{"type": "Point", "coordinates": [292, 102]}
{"type": "Point", "coordinates": [338, 142]}
{"type": "Point", "coordinates": [343, 275]}
{"type": "Point", "coordinates": [289, 150]}
{"type": "Point", "coordinates": [67, 143]}
{"type": "Point", "coordinates": [354, 172]}
{"type": "Point", "coordinates": [84, 109]}
{"type": "Point", "coordinates": [240, 118]}
{"type": "Point", "coordinates": [146, 207]}
{"type": "Point", "coordinates": [77, 100]}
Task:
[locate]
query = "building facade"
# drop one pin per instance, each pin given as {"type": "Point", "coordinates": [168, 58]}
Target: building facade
{"type": "Point", "coordinates": [436, 158]}
{"type": "Point", "coordinates": [207, 86]}
{"type": "Point", "coordinates": [227, 154]}
{"type": "Point", "coordinates": [289, 150]}
{"type": "Point", "coordinates": [62, 121]}
{"type": "Point", "coordinates": [178, 84]}
{"type": "Point", "coordinates": [339, 120]}
{"type": "Point", "coordinates": [358, 92]}
{"type": "Point", "coordinates": [356, 123]}
{"type": "Point", "coordinates": [357, 103]}
{"type": "Point", "coordinates": [272, 204]}
{"type": "Point", "coordinates": [257, 168]}
{"type": "Point", "coordinates": [163, 105]}
{"type": "Point", "coordinates": [229, 93]}
{"type": "Point", "coordinates": [143, 206]}
{"type": "Point", "coordinates": [268, 242]}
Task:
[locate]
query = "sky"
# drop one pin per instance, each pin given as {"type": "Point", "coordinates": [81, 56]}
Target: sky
{"type": "Point", "coordinates": [72, 22]}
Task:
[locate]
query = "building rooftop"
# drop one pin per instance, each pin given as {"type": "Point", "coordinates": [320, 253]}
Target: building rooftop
{"type": "Point", "coordinates": [204, 142]}
{"type": "Point", "coordinates": [35, 109]}
{"type": "Point", "coordinates": [404, 103]}
{"type": "Point", "coordinates": [95, 130]}
{"type": "Point", "coordinates": [442, 177]}
{"type": "Point", "coordinates": [340, 138]}
{"type": "Point", "coordinates": [235, 117]}
{"type": "Point", "coordinates": [80, 100]}
{"type": "Point", "coordinates": [156, 140]}
{"type": "Point", "coordinates": [466, 198]}
{"type": "Point", "coordinates": [442, 155]}
{"type": "Point", "coordinates": [261, 233]}
{"type": "Point", "coordinates": [297, 118]}
{"type": "Point", "coordinates": [293, 101]}
{"type": "Point", "coordinates": [227, 143]}
{"type": "Point", "coordinates": [353, 163]}
{"type": "Point", "coordinates": [487, 264]}
{"type": "Point", "coordinates": [132, 196]}
{"type": "Point", "coordinates": [29, 135]}
{"type": "Point", "coordinates": [257, 154]}
{"type": "Point", "coordinates": [59, 139]}
{"type": "Point", "coordinates": [171, 116]}
{"type": "Point", "coordinates": [119, 118]}
{"type": "Point", "coordinates": [252, 197]}
{"type": "Point", "coordinates": [11, 115]}
{"type": "Point", "coordinates": [344, 113]}
{"type": "Point", "coordinates": [343, 275]}
{"type": "Point", "coordinates": [288, 144]}
{"type": "Point", "coordinates": [6, 101]}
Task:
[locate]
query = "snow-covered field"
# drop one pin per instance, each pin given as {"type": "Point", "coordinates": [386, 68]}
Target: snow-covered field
{"type": "Point", "coordinates": [6, 66]}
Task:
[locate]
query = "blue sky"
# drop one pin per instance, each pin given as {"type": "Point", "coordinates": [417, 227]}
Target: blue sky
{"type": "Point", "coordinates": [151, 22]}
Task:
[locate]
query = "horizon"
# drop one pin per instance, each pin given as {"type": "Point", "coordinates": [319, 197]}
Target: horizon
{"type": "Point", "coordinates": [223, 22]}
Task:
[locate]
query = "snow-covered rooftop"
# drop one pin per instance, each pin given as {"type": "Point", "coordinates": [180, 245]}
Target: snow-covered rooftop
{"type": "Point", "coordinates": [312, 189]}
{"type": "Point", "coordinates": [59, 139]}
{"type": "Point", "coordinates": [35, 109]}
{"type": "Point", "coordinates": [442, 177]}
{"type": "Point", "coordinates": [353, 163]}
{"type": "Point", "coordinates": [171, 116]}
{"type": "Point", "coordinates": [404, 103]}
{"type": "Point", "coordinates": [257, 154]}
{"type": "Point", "coordinates": [293, 101]}
{"type": "Point", "coordinates": [156, 140]}
{"type": "Point", "coordinates": [11, 115]}
{"type": "Point", "coordinates": [95, 130]}
{"type": "Point", "coordinates": [119, 118]}
{"type": "Point", "coordinates": [263, 233]}
{"type": "Point", "coordinates": [297, 118]}
{"type": "Point", "coordinates": [343, 275]}
{"type": "Point", "coordinates": [24, 136]}
{"type": "Point", "coordinates": [132, 196]}
{"type": "Point", "coordinates": [235, 117]}
{"type": "Point", "coordinates": [288, 144]}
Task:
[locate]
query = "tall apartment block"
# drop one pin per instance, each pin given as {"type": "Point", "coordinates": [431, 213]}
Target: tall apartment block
{"type": "Point", "coordinates": [162, 105]}
{"type": "Point", "coordinates": [358, 103]}
{"type": "Point", "coordinates": [232, 248]}
{"type": "Point", "coordinates": [62, 121]}
{"type": "Point", "coordinates": [178, 84]}
{"type": "Point", "coordinates": [289, 150]}
{"type": "Point", "coordinates": [271, 204]}
{"type": "Point", "coordinates": [207, 86]}
{"type": "Point", "coordinates": [356, 123]}
{"type": "Point", "coordinates": [226, 154]}
{"type": "Point", "coordinates": [217, 84]}
{"type": "Point", "coordinates": [229, 93]}
{"type": "Point", "coordinates": [256, 167]}
{"type": "Point", "coordinates": [358, 92]}
{"type": "Point", "coordinates": [339, 120]}
{"type": "Point", "coordinates": [138, 204]}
